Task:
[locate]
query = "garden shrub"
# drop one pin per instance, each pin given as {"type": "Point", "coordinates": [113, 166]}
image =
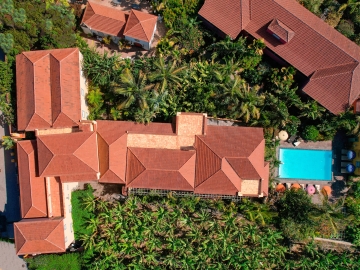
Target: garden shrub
{"type": "Point", "coordinates": [69, 261]}
{"type": "Point", "coordinates": [79, 213]}
{"type": "Point", "coordinates": [346, 28]}
{"type": "Point", "coordinates": [310, 133]}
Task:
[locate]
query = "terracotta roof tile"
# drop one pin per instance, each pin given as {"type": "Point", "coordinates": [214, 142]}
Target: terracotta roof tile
{"type": "Point", "coordinates": [42, 235]}
{"type": "Point", "coordinates": [228, 15]}
{"type": "Point", "coordinates": [56, 197]}
{"type": "Point", "coordinates": [112, 140]}
{"type": "Point", "coordinates": [32, 188]}
{"type": "Point", "coordinates": [218, 183]}
{"type": "Point", "coordinates": [314, 45]}
{"type": "Point", "coordinates": [48, 88]}
{"type": "Point", "coordinates": [67, 154]}
{"type": "Point", "coordinates": [105, 19]}
{"type": "Point", "coordinates": [140, 25]}
{"type": "Point", "coordinates": [244, 168]}
{"type": "Point", "coordinates": [281, 30]}
{"type": "Point", "coordinates": [159, 168]}
{"type": "Point", "coordinates": [218, 158]}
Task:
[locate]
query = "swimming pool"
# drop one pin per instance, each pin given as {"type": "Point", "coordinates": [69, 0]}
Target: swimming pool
{"type": "Point", "coordinates": [305, 164]}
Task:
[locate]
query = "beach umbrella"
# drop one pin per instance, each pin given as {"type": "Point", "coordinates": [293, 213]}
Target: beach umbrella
{"type": "Point", "coordinates": [326, 190]}
{"type": "Point", "coordinates": [280, 188]}
{"type": "Point", "coordinates": [350, 168]}
{"type": "Point", "coordinates": [351, 154]}
{"type": "Point", "coordinates": [295, 186]}
{"type": "Point", "coordinates": [310, 189]}
{"type": "Point", "coordinates": [283, 135]}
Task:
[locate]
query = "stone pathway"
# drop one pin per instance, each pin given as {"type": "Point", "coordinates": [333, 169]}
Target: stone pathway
{"type": "Point", "coordinates": [8, 258]}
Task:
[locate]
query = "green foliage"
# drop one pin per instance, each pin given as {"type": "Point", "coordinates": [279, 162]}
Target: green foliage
{"type": "Point", "coordinates": [7, 142]}
{"type": "Point", "coordinates": [6, 42]}
{"type": "Point", "coordinates": [310, 133]}
{"type": "Point", "coordinates": [346, 28]}
{"type": "Point", "coordinates": [70, 261]}
{"type": "Point", "coordinates": [79, 212]}
{"type": "Point", "coordinates": [294, 213]}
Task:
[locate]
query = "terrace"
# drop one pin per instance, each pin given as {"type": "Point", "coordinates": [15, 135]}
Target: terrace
{"type": "Point", "coordinates": [314, 164]}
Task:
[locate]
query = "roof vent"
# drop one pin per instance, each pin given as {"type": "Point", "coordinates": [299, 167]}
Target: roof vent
{"type": "Point", "coordinates": [280, 31]}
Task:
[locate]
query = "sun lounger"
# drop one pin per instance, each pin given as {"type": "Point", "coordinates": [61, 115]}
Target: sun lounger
{"type": "Point", "coordinates": [296, 143]}
{"type": "Point", "coordinates": [344, 164]}
{"type": "Point", "coordinates": [344, 151]}
{"type": "Point", "coordinates": [344, 171]}
{"type": "Point", "coordinates": [344, 158]}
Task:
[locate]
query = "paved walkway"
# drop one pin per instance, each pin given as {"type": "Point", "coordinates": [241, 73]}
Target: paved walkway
{"type": "Point", "coordinates": [9, 189]}
{"type": "Point", "coordinates": [8, 258]}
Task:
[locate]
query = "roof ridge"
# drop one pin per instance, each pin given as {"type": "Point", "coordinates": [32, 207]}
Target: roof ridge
{"type": "Point", "coordinates": [25, 53]}
{"type": "Point", "coordinates": [315, 30]}
{"type": "Point", "coordinates": [198, 156]}
{"type": "Point", "coordinates": [46, 239]}
{"type": "Point", "coordinates": [187, 160]}
{"type": "Point", "coordinates": [22, 236]}
{"type": "Point", "coordinates": [145, 169]}
{"type": "Point", "coordinates": [92, 133]}
{"type": "Point", "coordinates": [39, 137]}
{"type": "Point", "coordinates": [101, 6]}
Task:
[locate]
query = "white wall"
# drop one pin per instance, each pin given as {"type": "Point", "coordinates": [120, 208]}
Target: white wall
{"type": "Point", "coordinates": [146, 45]}
{"type": "Point", "coordinates": [83, 92]}
{"type": "Point", "coordinates": [67, 188]}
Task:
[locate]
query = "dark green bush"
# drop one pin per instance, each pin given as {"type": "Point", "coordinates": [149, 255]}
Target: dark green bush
{"type": "Point", "coordinates": [346, 28]}
{"type": "Point", "coordinates": [310, 133]}
{"type": "Point", "coordinates": [69, 261]}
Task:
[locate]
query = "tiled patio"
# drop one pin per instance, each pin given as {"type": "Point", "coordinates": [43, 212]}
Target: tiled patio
{"type": "Point", "coordinates": [338, 182]}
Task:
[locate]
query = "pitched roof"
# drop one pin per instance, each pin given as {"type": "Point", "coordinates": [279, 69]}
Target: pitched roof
{"type": "Point", "coordinates": [41, 235]}
{"type": "Point", "coordinates": [112, 141]}
{"type": "Point", "coordinates": [221, 166]}
{"type": "Point", "coordinates": [281, 30]}
{"type": "Point", "coordinates": [32, 188]}
{"type": "Point", "coordinates": [68, 154]}
{"type": "Point", "coordinates": [160, 169]}
{"type": "Point", "coordinates": [48, 88]}
{"type": "Point", "coordinates": [105, 19]}
{"type": "Point", "coordinates": [314, 46]}
{"type": "Point", "coordinates": [228, 15]}
{"type": "Point", "coordinates": [140, 25]}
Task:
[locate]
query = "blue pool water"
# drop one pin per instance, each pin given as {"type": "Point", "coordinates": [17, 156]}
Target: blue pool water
{"type": "Point", "coordinates": [305, 164]}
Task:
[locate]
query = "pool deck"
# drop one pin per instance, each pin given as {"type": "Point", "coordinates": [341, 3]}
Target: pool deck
{"type": "Point", "coordinates": [336, 145]}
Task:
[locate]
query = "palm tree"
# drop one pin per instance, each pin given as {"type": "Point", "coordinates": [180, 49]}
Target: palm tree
{"type": "Point", "coordinates": [166, 74]}
{"type": "Point", "coordinates": [352, 4]}
{"type": "Point", "coordinates": [242, 100]}
{"type": "Point", "coordinates": [134, 89]}
{"type": "Point", "coordinates": [312, 110]}
{"type": "Point", "coordinates": [330, 213]}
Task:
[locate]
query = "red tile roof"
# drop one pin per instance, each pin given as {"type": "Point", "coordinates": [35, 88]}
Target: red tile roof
{"type": "Point", "coordinates": [32, 188]}
{"type": "Point", "coordinates": [160, 169]}
{"type": "Point", "coordinates": [48, 89]}
{"type": "Point", "coordinates": [112, 138]}
{"type": "Point", "coordinates": [68, 154]}
{"type": "Point", "coordinates": [314, 46]}
{"type": "Point", "coordinates": [104, 19]}
{"type": "Point", "coordinates": [281, 30]}
{"type": "Point", "coordinates": [230, 16]}
{"type": "Point", "coordinates": [41, 235]}
{"type": "Point", "coordinates": [219, 161]}
{"type": "Point", "coordinates": [140, 25]}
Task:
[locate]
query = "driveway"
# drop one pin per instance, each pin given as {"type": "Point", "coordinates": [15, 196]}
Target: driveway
{"type": "Point", "coordinates": [9, 189]}
{"type": "Point", "coordinates": [8, 258]}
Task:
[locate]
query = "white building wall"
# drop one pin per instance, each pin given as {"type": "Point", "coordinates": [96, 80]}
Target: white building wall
{"type": "Point", "coordinates": [83, 92]}
{"type": "Point", "coordinates": [146, 45]}
{"type": "Point", "coordinates": [67, 188]}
